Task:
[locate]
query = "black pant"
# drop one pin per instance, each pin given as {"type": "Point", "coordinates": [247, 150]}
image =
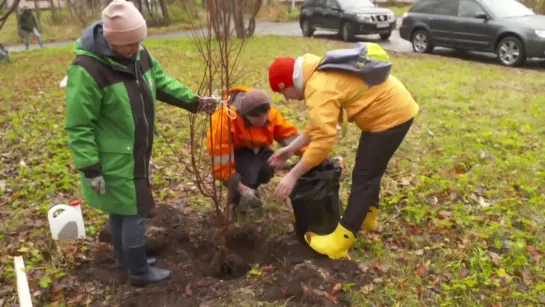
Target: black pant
{"type": "Point", "coordinates": [374, 152]}
{"type": "Point", "coordinates": [252, 168]}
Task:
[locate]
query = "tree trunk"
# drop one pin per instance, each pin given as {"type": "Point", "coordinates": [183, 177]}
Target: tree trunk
{"type": "Point", "coordinates": [164, 10]}
{"type": "Point", "coordinates": [252, 22]}
{"type": "Point", "coordinates": [238, 17]}
{"type": "Point", "coordinates": [38, 14]}
{"type": "Point", "coordinates": [5, 17]}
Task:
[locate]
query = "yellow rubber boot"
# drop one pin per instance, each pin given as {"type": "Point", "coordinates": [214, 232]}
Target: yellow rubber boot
{"type": "Point", "coordinates": [370, 222]}
{"type": "Point", "coordinates": [334, 245]}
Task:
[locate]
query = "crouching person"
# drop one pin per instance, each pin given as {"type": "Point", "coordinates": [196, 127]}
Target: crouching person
{"type": "Point", "coordinates": [110, 120]}
{"type": "Point", "coordinates": [356, 81]}
{"type": "Point", "coordinates": [254, 125]}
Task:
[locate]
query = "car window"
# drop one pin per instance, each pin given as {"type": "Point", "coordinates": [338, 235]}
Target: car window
{"type": "Point", "coordinates": [320, 3]}
{"type": "Point", "coordinates": [436, 7]}
{"type": "Point", "coordinates": [507, 8]}
{"type": "Point", "coordinates": [355, 4]}
{"type": "Point", "coordinates": [447, 8]}
{"type": "Point", "coordinates": [468, 8]}
{"type": "Point", "coordinates": [423, 6]}
{"type": "Point", "coordinates": [331, 4]}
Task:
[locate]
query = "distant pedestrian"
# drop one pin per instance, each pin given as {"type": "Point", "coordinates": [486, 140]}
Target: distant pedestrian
{"type": "Point", "coordinates": [4, 54]}
{"type": "Point", "coordinates": [28, 24]}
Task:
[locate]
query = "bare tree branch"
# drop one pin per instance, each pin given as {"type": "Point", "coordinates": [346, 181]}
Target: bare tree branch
{"type": "Point", "coordinates": [4, 18]}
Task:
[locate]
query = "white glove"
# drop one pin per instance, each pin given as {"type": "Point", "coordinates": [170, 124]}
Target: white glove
{"type": "Point", "coordinates": [98, 184]}
{"type": "Point", "coordinates": [249, 198]}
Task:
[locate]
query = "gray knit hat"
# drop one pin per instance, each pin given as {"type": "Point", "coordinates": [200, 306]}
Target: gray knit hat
{"type": "Point", "coordinates": [254, 99]}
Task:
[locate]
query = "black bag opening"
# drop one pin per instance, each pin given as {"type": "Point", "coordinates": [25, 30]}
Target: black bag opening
{"type": "Point", "coordinates": [315, 200]}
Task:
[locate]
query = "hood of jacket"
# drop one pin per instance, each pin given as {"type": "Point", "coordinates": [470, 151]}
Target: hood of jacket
{"type": "Point", "coordinates": [304, 67]}
{"type": "Point", "coordinates": [92, 43]}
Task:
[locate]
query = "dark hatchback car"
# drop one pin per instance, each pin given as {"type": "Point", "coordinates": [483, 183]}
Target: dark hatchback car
{"type": "Point", "coordinates": [505, 27]}
{"type": "Point", "coordinates": [346, 17]}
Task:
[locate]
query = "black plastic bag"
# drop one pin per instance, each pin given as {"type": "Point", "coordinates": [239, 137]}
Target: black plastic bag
{"type": "Point", "coordinates": [315, 200]}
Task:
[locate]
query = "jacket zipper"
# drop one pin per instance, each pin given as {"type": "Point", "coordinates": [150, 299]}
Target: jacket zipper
{"type": "Point", "coordinates": [145, 119]}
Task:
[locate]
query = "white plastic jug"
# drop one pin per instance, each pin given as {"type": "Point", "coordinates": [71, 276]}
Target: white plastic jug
{"type": "Point", "coordinates": [68, 224]}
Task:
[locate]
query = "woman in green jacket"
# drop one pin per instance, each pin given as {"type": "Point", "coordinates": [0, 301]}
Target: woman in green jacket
{"type": "Point", "coordinates": [112, 87]}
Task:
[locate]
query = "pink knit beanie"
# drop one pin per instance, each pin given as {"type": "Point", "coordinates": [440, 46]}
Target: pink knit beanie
{"type": "Point", "coordinates": [123, 23]}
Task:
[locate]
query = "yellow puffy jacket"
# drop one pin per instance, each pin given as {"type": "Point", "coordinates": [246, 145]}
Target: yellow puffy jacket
{"type": "Point", "coordinates": [381, 106]}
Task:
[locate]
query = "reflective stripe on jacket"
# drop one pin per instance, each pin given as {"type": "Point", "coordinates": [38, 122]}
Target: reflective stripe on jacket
{"type": "Point", "coordinates": [243, 135]}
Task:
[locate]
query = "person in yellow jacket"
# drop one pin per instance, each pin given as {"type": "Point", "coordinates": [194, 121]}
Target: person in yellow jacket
{"type": "Point", "coordinates": [252, 125]}
{"type": "Point", "coordinates": [356, 81]}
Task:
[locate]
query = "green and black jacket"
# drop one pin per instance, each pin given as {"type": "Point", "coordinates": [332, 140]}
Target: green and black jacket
{"type": "Point", "coordinates": [110, 120]}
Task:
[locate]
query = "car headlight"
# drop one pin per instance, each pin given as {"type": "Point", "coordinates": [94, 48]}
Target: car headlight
{"type": "Point", "coordinates": [364, 17]}
{"type": "Point", "coordinates": [540, 33]}
{"type": "Point", "coordinates": [391, 17]}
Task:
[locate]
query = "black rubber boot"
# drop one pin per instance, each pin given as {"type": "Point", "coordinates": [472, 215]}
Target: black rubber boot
{"type": "Point", "coordinates": [140, 272]}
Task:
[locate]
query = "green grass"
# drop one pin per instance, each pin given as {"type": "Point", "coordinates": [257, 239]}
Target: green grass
{"type": "Point", "coordinates": [462, 202]}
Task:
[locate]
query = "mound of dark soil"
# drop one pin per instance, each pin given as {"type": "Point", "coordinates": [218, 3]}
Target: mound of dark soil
{"type": "Point", "coordinates": [255, 267]}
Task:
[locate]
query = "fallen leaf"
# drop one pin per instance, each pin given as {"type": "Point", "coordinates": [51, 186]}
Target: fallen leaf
{"type": "Point", "coordinates": [363, 267]}
{"type": "Point", "coordinates": [444, 213]}
{"type": "Point", "coordinates": [188, 290]}
{"type": "Point", "coordinates": [463, 273]}
{"type": "Point", "coordinates": [304, 287]}
{"type": "Point", "coordinates": [378, 280]}
{"type": "Point", "coordinates": [524, 275]}
{"type": "Point", "coordinates": [330, 297]}
{"type": "Point", "coordinates": [367, 289]}
{"type": "Point", "coordinates": [267, 268]}
{"type": "Point", "coordinates": [495, 258]}
{"type": "Point", "coordinates": [338, 287]}
{"type": "Point", "coordinates": [422, 269]}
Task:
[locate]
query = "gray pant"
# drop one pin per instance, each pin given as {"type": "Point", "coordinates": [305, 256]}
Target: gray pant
{"type": "Point", "coordinates": [26, 36]}
{"type": "Point", "coordinates": [128, 231]}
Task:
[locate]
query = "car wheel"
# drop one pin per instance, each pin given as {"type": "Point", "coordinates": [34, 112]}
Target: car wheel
{"type": "Point", "coordinates": [385, 36]}
{"type": "Point", "coordinates": [421, 42]}
{"type": "Point", "coordinates": [510, 52]}
{"type": "Point", "coordinates": [307, 29]}
{"type": "Point", "coordinates": [346, 32]}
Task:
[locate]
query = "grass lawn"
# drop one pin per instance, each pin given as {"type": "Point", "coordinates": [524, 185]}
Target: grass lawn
{"type": "Point", "coordinates": [463, 203]}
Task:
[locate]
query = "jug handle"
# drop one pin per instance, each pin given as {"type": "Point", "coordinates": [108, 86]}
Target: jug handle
{"type": "Point", "coordinates": [57, 208]}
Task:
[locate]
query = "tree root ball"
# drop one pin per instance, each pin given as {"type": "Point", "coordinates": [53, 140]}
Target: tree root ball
{"type": "Point", "coordinates": [227, 265]}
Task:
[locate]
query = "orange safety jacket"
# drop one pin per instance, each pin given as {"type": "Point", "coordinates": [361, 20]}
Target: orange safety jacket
{"type": "Point", "coordinates": [243, 134]}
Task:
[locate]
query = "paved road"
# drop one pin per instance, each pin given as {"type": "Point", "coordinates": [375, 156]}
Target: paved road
{"type": "Point", "coordinates": [395, 43]}
{"type": "Point", "coordinates": [284, 29]}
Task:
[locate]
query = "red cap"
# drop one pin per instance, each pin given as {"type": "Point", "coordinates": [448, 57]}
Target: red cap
{"type": "Point", "coordinates": [281, 73]}
{"type": "Point", "coordinates": [74, 203]}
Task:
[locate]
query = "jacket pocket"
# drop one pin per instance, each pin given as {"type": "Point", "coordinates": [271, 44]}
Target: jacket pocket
{"type": "Point", "coordinates": [117, 159]}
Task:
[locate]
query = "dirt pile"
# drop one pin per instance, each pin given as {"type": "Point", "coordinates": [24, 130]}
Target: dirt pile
{"type": "Point", "coordinates": [261, 267]}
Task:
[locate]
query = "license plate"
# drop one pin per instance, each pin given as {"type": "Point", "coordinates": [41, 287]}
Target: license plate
{"type": "Point", "coordinates": [383, 25]}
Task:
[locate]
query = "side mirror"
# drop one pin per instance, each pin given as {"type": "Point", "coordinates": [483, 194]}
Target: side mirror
{"type": "Point", "coordinates": [481, 15]}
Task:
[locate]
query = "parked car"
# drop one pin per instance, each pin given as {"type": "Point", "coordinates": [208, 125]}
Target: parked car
{"type": "Point", "coordinates": [505, 27]}
{"type": "Point", "coordinates": [347, 17]}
